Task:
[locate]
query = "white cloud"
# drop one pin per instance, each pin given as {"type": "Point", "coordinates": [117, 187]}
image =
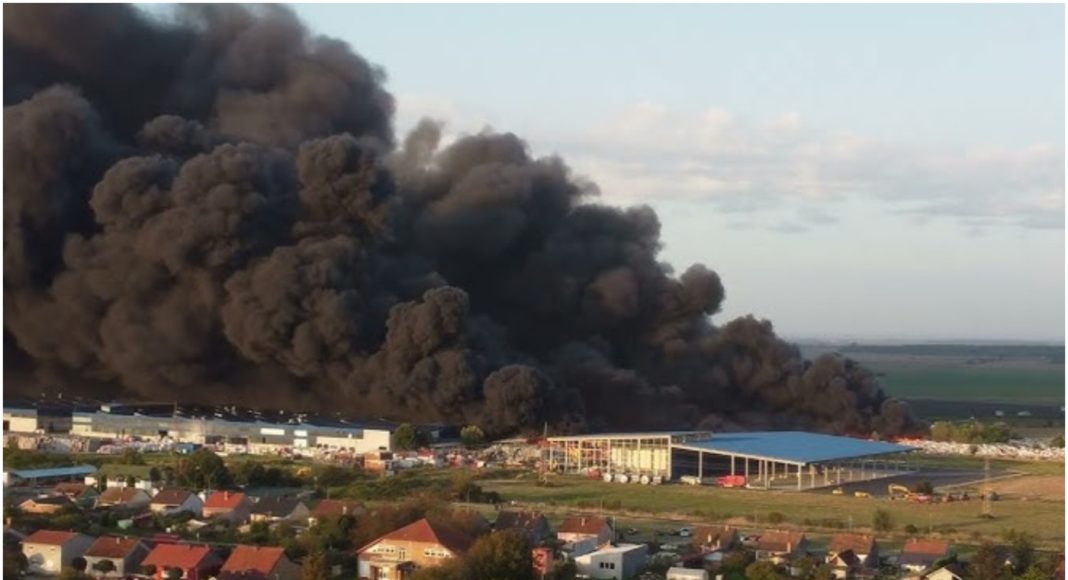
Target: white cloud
{"type": "Point", "coordinates": [650, 152]}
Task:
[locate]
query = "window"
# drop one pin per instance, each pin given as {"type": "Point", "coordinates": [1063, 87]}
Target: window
{"type": "Point", "coordinates": [607, 565]}
{"type": "Point", "coordinates": [436, 553]}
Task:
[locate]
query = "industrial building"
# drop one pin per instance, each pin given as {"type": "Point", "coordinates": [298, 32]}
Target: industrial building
{"type": "Point", "coordinates": [257, 432]}
{"type": "Point", "coordinates": [766, 459]}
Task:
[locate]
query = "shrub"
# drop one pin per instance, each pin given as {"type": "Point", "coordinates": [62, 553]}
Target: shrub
{"type": "Point", "coordinates": [882, 521]}
{"type": "Point", "coordinates": [776, 518]}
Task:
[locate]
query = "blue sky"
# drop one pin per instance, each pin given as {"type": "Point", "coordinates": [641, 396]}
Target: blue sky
{"type": "Point", "coordinates": [868, 171]}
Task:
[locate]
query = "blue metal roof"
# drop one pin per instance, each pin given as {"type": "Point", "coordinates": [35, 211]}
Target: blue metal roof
{"type": "Point", "coordinates": [55, 471]}
{"type": "Point", "coordinates": [793, 446]}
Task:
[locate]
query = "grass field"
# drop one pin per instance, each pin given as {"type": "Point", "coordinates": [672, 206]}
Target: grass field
{"type": "Point", "coordinates": [958, 521]}
{"type": "Point", "coordinates": [1010, 385]}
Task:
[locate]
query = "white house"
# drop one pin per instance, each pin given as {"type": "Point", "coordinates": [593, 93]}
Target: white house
{"type": "Point", "coordinates": [687, 574]}
{"type": "Point", "coordinates": [50, 551]}
{"type": "Point", "coordinates": [617, 562]}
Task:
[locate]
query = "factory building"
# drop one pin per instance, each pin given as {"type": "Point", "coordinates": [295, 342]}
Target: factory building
{"type": "Point", "coordinates": [29, 418]}
{"type": "Point", "coordinates": [765, 460]}
{"type": "Point", "coordinates": [258, 434]}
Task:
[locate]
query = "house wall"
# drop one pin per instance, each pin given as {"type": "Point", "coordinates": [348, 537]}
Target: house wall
{"type": "Point", "coordinates": [602, 537]}
{"type": "Point", "coordinates": [237, 515]}
{"type": "Point", "coordinates": [402, 551]}
{"type": "Point", "coordinates": [123, 566]}
{"type": "Point", "coordinates": [51, 559]}
{"type": "Point", "coordinates": [372, 440]}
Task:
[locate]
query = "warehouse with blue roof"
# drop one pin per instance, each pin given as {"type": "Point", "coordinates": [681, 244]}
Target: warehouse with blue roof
{"type": "Point", "coordinates": [762, 459]}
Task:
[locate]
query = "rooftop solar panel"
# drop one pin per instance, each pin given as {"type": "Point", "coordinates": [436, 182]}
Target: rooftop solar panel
{"type": "Point", "coordinates": [793, 446]}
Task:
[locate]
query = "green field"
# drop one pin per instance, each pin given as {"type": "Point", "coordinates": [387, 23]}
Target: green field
{"type": "Point", "coordinates": [1009, 385]}
{"type": "Point", "coordinates": [958, 521]}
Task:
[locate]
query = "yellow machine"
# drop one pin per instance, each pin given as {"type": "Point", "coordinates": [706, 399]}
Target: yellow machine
{"type": "Point", "coordinates": [861, 494]}
{"type": "Point", "coordinates": [837, 491]}
{"type": "Point", "coordinates": [897, 491]}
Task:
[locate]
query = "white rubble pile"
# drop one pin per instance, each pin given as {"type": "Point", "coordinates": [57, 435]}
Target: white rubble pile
{"type": "Point", "coordinates": [1017, 449]}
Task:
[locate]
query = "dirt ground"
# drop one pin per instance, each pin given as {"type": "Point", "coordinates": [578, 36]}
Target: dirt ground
{"type": "Point", "coordinates": [1032, 486]}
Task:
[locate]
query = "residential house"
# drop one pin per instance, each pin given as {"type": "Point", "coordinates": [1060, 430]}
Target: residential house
{"type": "Point", "coordinates": [231, 506]}
{"type": "Point", "coordinates": [332, 508]}
{"type": "Point", "coordinates": [111, 556]}
{"type": "Point", "coordinates": [123, 475]}
{"type": "Point", "coordinates": [259, 563]}
{"type": "Point", "coordinates": [195, 562]}
{"type": "Point", "coordinates": [576, 529]}
{"type": "Point", "coordinates": [620, 561]}
{"type": "Point", "coordinates": [173, 500]}
{"type": "Point", "coordinates": [863, 546]}
{"type": "Point", "coordinates": [780, 547]}
{"type": "Point", "coordinates": [46, 504]}
{"type": "Point", "coordinates": [951, 571]}
{"type": "Point", "coordinates": [128, 498]}
{"type": "Point", "coordinates": [279, 509]}
{"type": "Point", "coordinates": [80, 493]}
{"type": "Point", "coordinates": [714, 538]}
{"type": "Point", "coordinates": [845, 564]}
{"type": "Point", "coordinates": [918, 555]}
{"type": "Point", "coordinates": [396, 555]}
{"type": "Point", "coordinates": [50, 551]}
{"type": "Point", "coordinates": [533, 524]}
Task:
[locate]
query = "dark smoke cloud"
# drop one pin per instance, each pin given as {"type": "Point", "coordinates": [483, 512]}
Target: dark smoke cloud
{"type": "Point", "coordinates": [212, 209]}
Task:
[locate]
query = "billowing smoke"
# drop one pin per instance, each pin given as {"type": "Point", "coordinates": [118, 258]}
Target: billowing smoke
{"type": "Point", "coordinates": [214, 209]}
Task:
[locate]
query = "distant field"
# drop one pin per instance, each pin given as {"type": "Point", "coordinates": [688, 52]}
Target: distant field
{"type": "Point", "coordinates": [1016, 385]}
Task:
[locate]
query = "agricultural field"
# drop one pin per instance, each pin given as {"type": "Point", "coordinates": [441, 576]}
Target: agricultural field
{"type": "Point", "coordinates": [1022, 385]}
{"type": "Point", "coordinates": [961, 521]}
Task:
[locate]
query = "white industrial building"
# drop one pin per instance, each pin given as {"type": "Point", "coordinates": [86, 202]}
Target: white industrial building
{"type": "Point", "coordinates": [257, 434]}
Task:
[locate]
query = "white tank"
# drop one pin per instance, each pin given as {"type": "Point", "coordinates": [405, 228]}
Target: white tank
{"type": "Point", "coordinates": [645, 480]}
{"type": "Point", "coordinates": [621, 478]}
{"type": "Point", "coordinates": [607, 477]}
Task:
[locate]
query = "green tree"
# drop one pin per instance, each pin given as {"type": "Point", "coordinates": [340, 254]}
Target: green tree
{"type": "Point", "coordinates": [104, 566]}
{"type": "Point", "coordinates": [14, 562]}
{"type": "Point", "coordinates": [1034, 573]}
{"type": "Point", "coordinates": [73, 574]}
{"type": "Point", "coordinates": [823, 572]}
{"type": "Point", "coordinates": [203, 469]}
{"type": "Point", "coordinates": [472, 436]}
{"type": "Point", "coordinates": [762, 571]}
{"type": "Point", "coordinates": [882, 521]}
{"type": "Point", "coordinates": [315, 566]}
{"type": "Point", "coordinates": [497, 556]}
{"type": "Point", "coordinates": [987, 563]}
{"type": "Point", "coordinates": [1022, 548]}
{"type": "Point", "coordinates": [405, 437]}
{"type": "Point", "coordinates": [131, 456]}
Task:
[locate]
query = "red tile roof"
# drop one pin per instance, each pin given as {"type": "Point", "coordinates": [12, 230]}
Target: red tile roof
{"type": "Point", "coordinates": [184, 556]}
{"type": "Point", "coordinates": [926, 547]}
{"type": "Point", "coordinates": [71, 488]}
{"type": "Point", "coordinates": [859, 543]}
{"type": "Point", "coordinates": [116, 495]}
{"type": "Point", "coordinates": [171, 496]}
{"type": "Point", "coordinates": [337, 507]}
{"type": "Point", "coordinates": [51, 537]}
{"type": "Point", "coordinates": [426, 532]}
{"type": "Point", "coordinates": [591, 525]}
{"type": "Point", "coordinates": [709, 535]}
{"type": "Point", "coordinates": [780, 541]}
{"type": "Point", "coordinates": [224, 500]}
{"type": "Point", "coordinates": [252, 561]}
{"type": "Point", "coordinates": [112, 547]}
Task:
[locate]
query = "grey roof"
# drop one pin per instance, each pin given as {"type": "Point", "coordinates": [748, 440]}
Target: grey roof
{"type": "Point", "coordinates": [793, 446]}
{"type": "Point", "coordinates": [55, 471]}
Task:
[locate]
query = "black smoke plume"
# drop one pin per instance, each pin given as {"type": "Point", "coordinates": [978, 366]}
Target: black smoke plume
{"type": "Point", "coordinates": [213, 209]}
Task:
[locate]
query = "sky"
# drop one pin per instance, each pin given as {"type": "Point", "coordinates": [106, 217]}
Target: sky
{"type": "Point", "coordinates": [872, 172]}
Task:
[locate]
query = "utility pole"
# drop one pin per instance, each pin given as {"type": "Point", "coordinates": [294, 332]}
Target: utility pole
{"type": "Point", "coordinates": [988, 508]}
